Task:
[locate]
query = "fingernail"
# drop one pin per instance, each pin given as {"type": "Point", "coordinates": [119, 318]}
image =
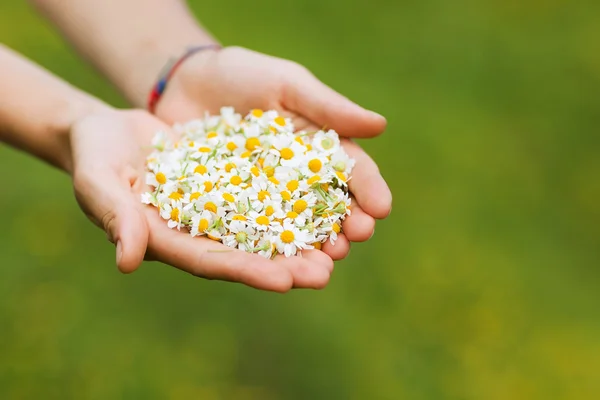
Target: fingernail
{"type": "Point", "coordinates": [372, 234]}
{"type": "Point", "coordinates": [119, 252]}
{"type": "Point", "coordinates": [376, 114]}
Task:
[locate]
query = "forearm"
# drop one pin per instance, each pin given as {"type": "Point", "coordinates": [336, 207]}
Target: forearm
{"type": "Point", "coordinates": [37, 109]}
{"type": "Point", "coordinates": [129, 41]}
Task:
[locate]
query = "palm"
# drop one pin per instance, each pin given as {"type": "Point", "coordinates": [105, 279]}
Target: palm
{"type": "Point", "coordinates": [246, 80]}
{"type": "Point", "coordinates": [109, 153]}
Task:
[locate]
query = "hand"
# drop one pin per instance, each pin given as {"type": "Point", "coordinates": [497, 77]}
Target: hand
{"type": "Point", "coordinates": [245, 80]}
{"type": "Point", "coordinates": [108, 164]}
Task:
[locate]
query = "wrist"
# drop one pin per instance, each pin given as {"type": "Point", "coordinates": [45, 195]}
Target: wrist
{"type": "Point", "coordinates": [171, 73]}
{"type": "Point", "coordinates": [151, 59]}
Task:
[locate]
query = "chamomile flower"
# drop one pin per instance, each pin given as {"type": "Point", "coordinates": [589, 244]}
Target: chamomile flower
{"type": "Point", "coordinates": [251, 183]}
{"type": "Point", "coordinates": [333, 230]}
{"type": "Point", "coordinates": [262, 222]}
{"type": "Point", "coordinates": [201, 222]}
{"type": "Point", "coordinates": [173, 214]}
{"type": "Point", "coordinates": [326, 142]}
{"type": "Point", "coordinates": [290, 238]}
{"type": "Point", "coordinates": [241, 236]}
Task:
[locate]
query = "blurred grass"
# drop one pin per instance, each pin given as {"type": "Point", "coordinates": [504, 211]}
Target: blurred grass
{"type": "Point", "coordinates": [483, 283]}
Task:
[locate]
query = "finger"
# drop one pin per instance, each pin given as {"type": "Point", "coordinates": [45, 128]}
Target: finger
{"type": "Point", "coordinates": [108, 200]}
{"type": "Point", "coordinates": [367, 184]}
{"type": "Point", "coordinates": [212, 260]}
{"type": "Point", "coordinates": [358, 226]}
{"type": "Point", "coordinates": [320, 258]}
{"type": "Point", "coordinates": [339, 250]}
{"type": "Point", "coordinates": [309, 97]}
{"type": "Point", "coordinates": [310, 269]}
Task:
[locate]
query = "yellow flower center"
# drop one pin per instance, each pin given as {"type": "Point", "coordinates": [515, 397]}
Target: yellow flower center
{"type": "Point", "coordinates": [176, 196]}
{"type": "Point", "coordinates": [252, 143]}
{"type": "Point", "coordinates": [200, 169]}
{"type": "Point", "coordinates": [287, 236]}
{"type": "Point", "coordinates": [300, 205]}
{"type": "Point", "coordinates": [211, 135]}
{"type": "Point", "coordinates": [208, 186]}
{"type": "Point", "coordinates": [286, 195]}
{"type": "Point", "coordinates": [292, 215]}
{"type": "Point", "coordinates": [239, 218]}
{"type": "Point", "coordinates": [299, 140]}
{"type": "Point", "coordinates": [228, 197]}
{"type": "Point", "coordinates": [274, 180]}
{"type": "Point", "coordinates": [315, 165]}
{"type": "Point", "coordinates": [235, 180]}
{"type": "Point", "coordinates": [280, 121]}
{"type": "Point", "coordinates": [273, 129]}
{"type": "Point", "coordinates": [261, 162]}
{"type": "Point", "coordinates": [269, 171]}
{"type": "Point", "coordinates": [262, 220]}
{"type": "Point", "coordinates": [210, 206]}
{"type": "Point", "coordinates": [246, 154]}
{"type": "Point", "coordinates": [175, 214]}
{"type": "Point", "coordinates": [336, 228]}
{"type": "Point", "coordinates": [231, 146]}
{"type": "Point", "coordinates": [255, 171]}
{"type": "Point", "coordinates": [161, 178]}
{"type": "Point", "coordinates": [203, 225]}
{"type": "Point", "coordinates": [269, 210]}
{"type": "Point", "coordinates": [263, 194]}
{"type": "Point", "coordinates": [229, 167]}
{"type": "Point", "coordinates": [317, 245]}
{"type": "Point", "coordinates": [341, 176]}
{"type": "Point", "coordinates": [204, 149]}
{"type": "Point", "coordinates": [313, 179]}
{"type": "Point", "coordinates": [309, 147]}
{"type": "Point", "coordinates": [194, 196]}
{"type": "Point", "coordinates": [325, 186]}
{"type": "Point", "coordinates": [257, 112]}
{"type": "Point", "coordinates": [191, 144]}
{"type": "Point", "coordinates": [292, 185]}
{"type": "Point", "coordinates": [287, 153]}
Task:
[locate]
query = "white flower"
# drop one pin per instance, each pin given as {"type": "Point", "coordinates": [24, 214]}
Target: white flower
{"type": "Point", "coordinates": [173, 214]}
{"type": "Point", "coordinates": [201, 222]}
{"type": "Point", "coordinates": [241, 236]}
{"type": "Point", "coordinates": [290, 238]}
{"type": "Point", "coordinates": [251, 183]}
{"type": "Point", "coordinates": [326, 142]}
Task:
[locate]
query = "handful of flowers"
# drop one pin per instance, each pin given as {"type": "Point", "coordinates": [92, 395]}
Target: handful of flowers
{"type": "Point", "coordinates": [251, 183]}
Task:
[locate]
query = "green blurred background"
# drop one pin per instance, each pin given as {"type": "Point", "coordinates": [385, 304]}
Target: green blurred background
{"type": "Point", "coordinates": [483, 283]}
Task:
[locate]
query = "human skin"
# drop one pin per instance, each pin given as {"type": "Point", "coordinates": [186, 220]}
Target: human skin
{"type": "Point", "coordinates": [129, 41]}
{"type": "Point", "coordinates": [104, 150]}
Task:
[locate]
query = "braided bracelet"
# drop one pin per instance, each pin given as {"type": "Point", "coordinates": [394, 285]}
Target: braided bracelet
{"type": "Point", "coordinates": [168, 72]}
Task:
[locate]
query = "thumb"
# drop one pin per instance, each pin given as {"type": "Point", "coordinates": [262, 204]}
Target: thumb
{"type": "Point", "coordinates": [111, 204]}
{"type": "Point", "coordinates": [307, 96]}
{"type": "Point", "coordinates": [126, 226]}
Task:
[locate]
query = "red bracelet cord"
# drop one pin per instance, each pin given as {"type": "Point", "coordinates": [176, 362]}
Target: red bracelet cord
{"type": "Point", "coordinates": [162, 82]}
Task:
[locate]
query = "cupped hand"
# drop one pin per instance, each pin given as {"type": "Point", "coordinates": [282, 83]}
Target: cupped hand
{"type": "Point", "coordinates": [246, 80]}
{"type": "Point", "coordinates": [109, 149]}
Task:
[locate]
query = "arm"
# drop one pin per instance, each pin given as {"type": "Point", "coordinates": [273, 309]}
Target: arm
{"type": "Point", "coordinates": [37, 110]}
{"type": "Point", "coordinates": [128, 41]}
{"type": "Point", "coordinates": [104, 150]}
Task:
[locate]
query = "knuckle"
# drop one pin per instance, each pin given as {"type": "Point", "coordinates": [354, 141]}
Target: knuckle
{"type": "Point", "coordinates": [107, 222]}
